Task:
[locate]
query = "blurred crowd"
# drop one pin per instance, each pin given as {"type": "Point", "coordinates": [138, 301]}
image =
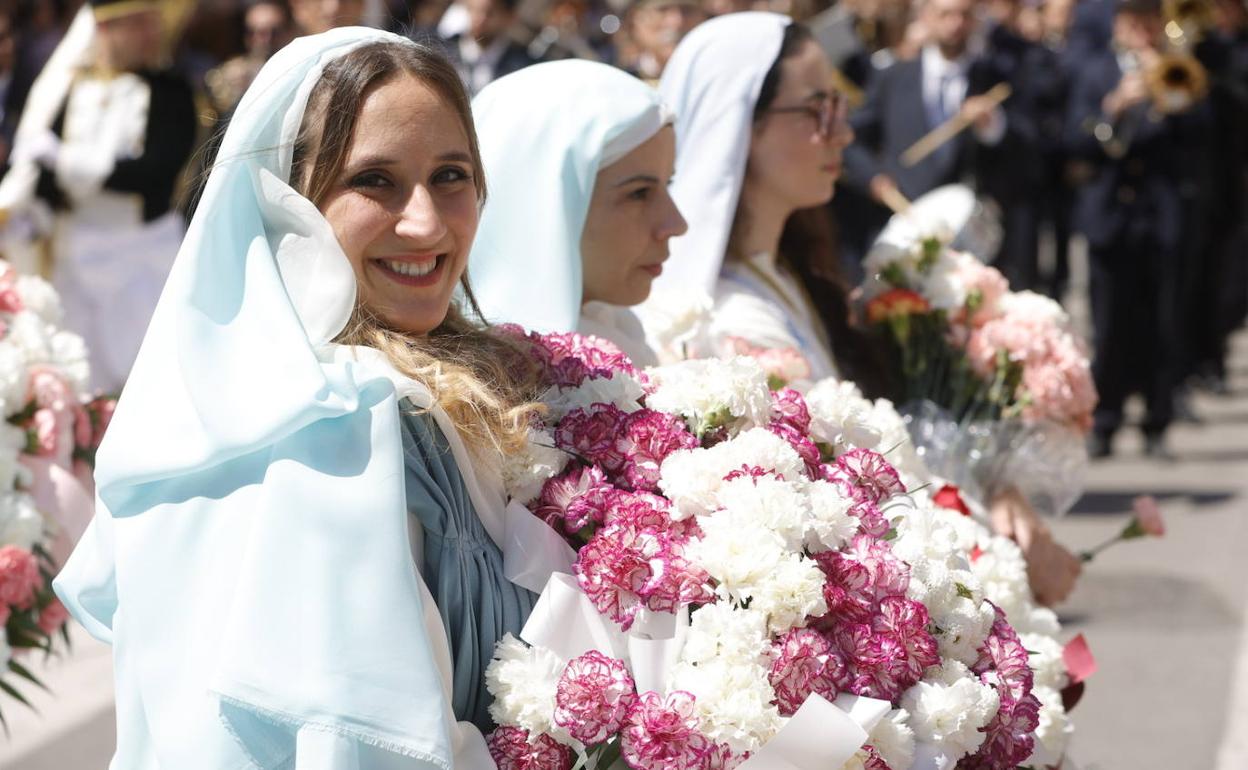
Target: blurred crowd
{"type": "Point", "coordinates": [1124, 122]}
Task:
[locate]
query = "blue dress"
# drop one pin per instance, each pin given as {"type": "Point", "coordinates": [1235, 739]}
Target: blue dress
{"type": "Point", "coordinates": [463, 567]}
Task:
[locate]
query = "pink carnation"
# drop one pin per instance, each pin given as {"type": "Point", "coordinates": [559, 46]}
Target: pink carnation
{"type": "Point", "coordinates": [10, 299]}
{"type": "Point", "coordinates": [594, 696]}
{"type": "Point", "coordinates": [871, 519]}
{"type": "Point", "coordinates": [805, 662]}
{"type": "Point", "coordinates": [648, 438]}
{"type": "Point", "coordinates": [573, 358]}
{"type": "Point", "coordinates": [985, 286]}
{"type": "Point", "coordinates": [801, 443]}
{"type": "Point", "coordinates": [906, 621]}
{"type": "Point", "coordinates": [675, 582]}
{"type": "Point", "coordinates": [613, 568]}
{"type": "Point", "coordinates": [1148, 516]}
{"type": "Point", "coordinates": [591, 435]}
{"type": "Point", "coordinates": [865, 475]}
{"type": "Point", "coordinates": [512, 749]}
{"type": "Point", "coordinates": [1010, 735]}
{"type": "Point", "coordinates": [19, 577]}
{"type": "Point", "coordinates": [52, 617]}
{"type": "Point", "coordinates": [782, 365]}
{"type": "Point", "coordinates": [1002, 659]}
{"type": "Point", "coordinates": [101, 411]}
{"type": "Point", "coordinates": [662, 734]}
{"type": "Point", "coordinates": [788, 406]}
{"type": "Point", "coordinates": [575, 499]}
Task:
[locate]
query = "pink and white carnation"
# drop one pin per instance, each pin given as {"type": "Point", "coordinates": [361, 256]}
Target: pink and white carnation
{"type": "Point", "coordinates": [662, 734]}
{"type": "Point", "coordinates": [793, 558]}
{"type": "Point", "coordinates": [595, 695]}
{"type": "Point", "coordinates": [512, 748]}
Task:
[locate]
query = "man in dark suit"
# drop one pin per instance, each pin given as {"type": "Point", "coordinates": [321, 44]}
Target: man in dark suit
{"type": "Point", "coordinates": [1137, 212]}
{"type": "Point", "coordinates": [910, 98]}
{"type": "Point", "coordinates": [486, 52]}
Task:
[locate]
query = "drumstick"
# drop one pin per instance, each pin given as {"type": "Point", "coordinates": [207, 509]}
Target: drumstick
{"type": "Point", "coordinates": [893, 198]}
{"type": "Point", "coordinates": [941, 134]}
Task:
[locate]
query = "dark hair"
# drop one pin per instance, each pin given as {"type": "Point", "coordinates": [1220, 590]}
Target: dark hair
{"type": "Point", "coordinates": [335, 102]}
{"type": "Point", "coordinates": [808, 249]}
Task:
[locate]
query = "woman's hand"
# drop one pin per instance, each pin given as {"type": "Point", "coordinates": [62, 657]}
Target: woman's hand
{"type": "Point", "coordinates": [1051, 569]}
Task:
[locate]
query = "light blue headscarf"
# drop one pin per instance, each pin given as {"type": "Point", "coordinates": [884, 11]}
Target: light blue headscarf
{"type": "Point", "coordinates": [545, 132]}
{"type": "Point", "coordinates": [249, 558]}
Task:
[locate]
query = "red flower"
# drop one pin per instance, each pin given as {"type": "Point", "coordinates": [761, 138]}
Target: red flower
{"type": "Point", "coordinates": [895, 303]}
{"type": "Point", "coordinates": [950, 497]}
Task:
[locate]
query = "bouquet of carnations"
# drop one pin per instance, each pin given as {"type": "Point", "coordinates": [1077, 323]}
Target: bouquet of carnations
{"type": "Point", "coordinates": [997, 384]}
{"type": "Point", "coordinates": [749, 583]}
{"type": "Point", "coordinates": [47, 446]}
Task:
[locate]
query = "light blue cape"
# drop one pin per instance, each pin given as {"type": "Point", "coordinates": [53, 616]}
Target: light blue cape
{"type": "Point", "coordinates": [545, 132]}
{"type": "Point", "coordinates": [249, 558]}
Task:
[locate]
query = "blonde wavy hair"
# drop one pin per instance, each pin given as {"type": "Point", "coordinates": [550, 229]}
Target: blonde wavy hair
{"type": "Point", "coordinates": [485, 382]}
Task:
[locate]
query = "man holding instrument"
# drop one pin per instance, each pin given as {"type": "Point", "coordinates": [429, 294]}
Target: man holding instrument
{"type": "Point", "coordinates": [944, 85]}
{"type": "Point", "coordinates": [1140, 212]}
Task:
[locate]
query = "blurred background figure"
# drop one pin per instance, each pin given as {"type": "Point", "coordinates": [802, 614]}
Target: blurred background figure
{"type": "Point", "coordinates": [267, 27]}
{"type": "Point", "coordinates": [912, 97]}
{"type": "Point", "coordinates": [95, 169]}
{"type": "Point", "coordinates": [315, 16]}
{"type": "Point", "coordinates": [1142, 211]}
{"type": "Point", "coordinates": [654, 29]}
{"type": "Point", "coordinates": [8, 60]}
{"type": "Point", "coordinates": [486, 50]}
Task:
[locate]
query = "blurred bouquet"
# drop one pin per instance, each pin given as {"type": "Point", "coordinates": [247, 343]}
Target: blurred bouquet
{"type": "Point", "coordinates": [996, 384]}
{"type": "Point", "coordinates": [47, 448]}
{"type": "Point", "coordinates": [748, 580]}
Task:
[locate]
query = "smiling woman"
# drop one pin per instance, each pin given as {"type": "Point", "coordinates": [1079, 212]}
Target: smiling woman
{"type": "Point", "coordinates": [297, 548]}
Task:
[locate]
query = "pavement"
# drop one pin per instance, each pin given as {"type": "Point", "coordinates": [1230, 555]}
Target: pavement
{"type": "Point", "coordinates": [1164, 617]}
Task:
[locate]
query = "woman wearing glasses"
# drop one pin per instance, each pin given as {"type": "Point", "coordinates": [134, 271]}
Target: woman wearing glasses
{"type": "Point", "coordinates": [759, 134]}
{"type": "Point", "coordinates": [760, 130]}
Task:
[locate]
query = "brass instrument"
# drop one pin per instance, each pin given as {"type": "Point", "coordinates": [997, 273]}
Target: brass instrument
{"type": "Point", "coordinates": [1178, 80]}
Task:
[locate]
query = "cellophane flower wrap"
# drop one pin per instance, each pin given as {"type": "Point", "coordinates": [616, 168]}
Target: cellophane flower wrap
{"type": "Point", "coordinates": [984, 373]}
{"type": "Point", "coordinates": [800, 565]}
{"type": "Point", "coordinates": [48, 437]}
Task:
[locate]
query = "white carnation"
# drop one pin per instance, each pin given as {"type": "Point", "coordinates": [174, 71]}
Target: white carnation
{"type": "Point", "coordinates": [941, 286]}
{"type": "Point", "coordinates": [13, 377]}
{"type": "Point", "coordinates": [769, 502]}
{"type": "Point", "coordinates": [841, 417]}
{"type": "Point", "coordinates": [1003, 574]}
{"type": "Point", "coordinates": [40, 298]}
{"type": "Point", "coordinates": [1055, 728]}
{"type": "Point", "coordinates": [894, 740]}
{"type": "Point", "coordinates": [621, 390]}
{"type": "Point", "coordinates": [1045, 659]}
{"type": "Point", "coordinates": [20, 522]}
{"type": "Point", "coordinates": [964, 627]}
{"type": "Point", "coordinates": [733, 702]}
{"type": "Point", "coordinates": [523, 681]}
{"type": "Point", "coordinates": [950, 707]}
{"type": "Point", "coordinates": [711, 393]}
{"type": "Point", "coordinates": [790, 593]}
{"type": "Point", "coordinates": [739, 555]}
{"type": "Point", "coordinates": [675, 321]}
{"type": "Point", "coordinates": [33, 335]}
{"type": "Point", "coordinates": [1040, 620]}
{"type": "Point", "coordinates": [723, 632]}
{"type": "Point", "coordinates": [69, 352]}
{"type": "Point", "coordinates": [526, 471]}
{"type": "Point", "coordinates": [830, 524]}
{"type": "Point", "coordinates": [692, 478]}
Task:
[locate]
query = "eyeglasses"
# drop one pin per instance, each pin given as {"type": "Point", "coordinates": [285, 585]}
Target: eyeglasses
{"type": "Point", "coordinates": [827, 110]}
